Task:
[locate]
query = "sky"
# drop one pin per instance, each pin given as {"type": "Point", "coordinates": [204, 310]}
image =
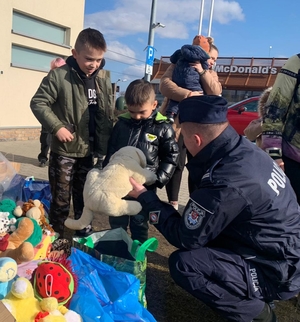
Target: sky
{"type": "Point", "coordinates": [240, 28]}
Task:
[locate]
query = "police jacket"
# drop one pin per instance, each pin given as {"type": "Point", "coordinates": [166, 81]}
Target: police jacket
{"type": "Point", "coordinates": [154, 136]}
{"type": "Point", "coordinates": [61, 101]}
{"type": "Point", "coordinates": [243, 203]}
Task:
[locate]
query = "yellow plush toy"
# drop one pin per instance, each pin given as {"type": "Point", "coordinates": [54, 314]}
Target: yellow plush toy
{"type": "Point", "coordinates": [104, 189]}
{"type": "Point", "coordinates": [22, 304]}
{"type": "Point", "coordinates": [20, 301]}
{"type": "Point", "coordinates": [57, 313]}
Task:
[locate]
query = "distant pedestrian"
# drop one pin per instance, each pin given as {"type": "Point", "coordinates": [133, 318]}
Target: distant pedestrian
{"type": "Point", "coordinates": [74, 103]}
{"type": "Point", "coordinates": [254, 129]}
{"type": "Point", "coordinates": [45, 137]}
{"type": "Point", "coordinates": [281, 122]}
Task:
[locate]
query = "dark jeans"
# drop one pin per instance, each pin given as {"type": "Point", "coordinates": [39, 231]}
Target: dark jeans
{"type": "Point", "coordinates": [66, 177]}
{"type": "Point", "coordinates": [173, 186]}
{"type": "Point", "coordinates": [292, 171]}
{"type": "Point", "coordinates": [45, 139]}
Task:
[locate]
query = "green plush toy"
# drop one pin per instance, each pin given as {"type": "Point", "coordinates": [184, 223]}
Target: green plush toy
{"type": "Point", "coordinates": [36, 236]}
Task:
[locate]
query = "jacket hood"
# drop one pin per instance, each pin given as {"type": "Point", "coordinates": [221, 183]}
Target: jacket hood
{"type": "Point", "coordinates": [262, 101]}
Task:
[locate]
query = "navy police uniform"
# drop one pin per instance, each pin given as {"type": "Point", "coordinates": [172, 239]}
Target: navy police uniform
{"type": "Point", "coordinates": [238, 239]}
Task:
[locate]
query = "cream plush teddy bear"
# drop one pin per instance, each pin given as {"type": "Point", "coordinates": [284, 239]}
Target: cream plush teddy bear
{"type": "Point", "coordinates": [104, 189]}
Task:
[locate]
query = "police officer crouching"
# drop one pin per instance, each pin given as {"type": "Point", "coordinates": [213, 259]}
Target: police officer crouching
{"type": "Point", "coordinates": [238, 238]}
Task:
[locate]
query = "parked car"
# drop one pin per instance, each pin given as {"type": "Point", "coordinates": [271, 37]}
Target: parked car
{"type": "Point", "coordinates": [240, 114]}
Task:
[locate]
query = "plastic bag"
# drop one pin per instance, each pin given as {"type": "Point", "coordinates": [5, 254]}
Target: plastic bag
{"type": "Point", "coordinates": [7, 172]}
{"type": "Point", "coordinates": [37, 189]}
{"type": "Point", "coordinates": [105, 294]}
{"type": "Point", "coordinates": [15, 189]}
{"type": "Point", "coordinates": [116, 248]}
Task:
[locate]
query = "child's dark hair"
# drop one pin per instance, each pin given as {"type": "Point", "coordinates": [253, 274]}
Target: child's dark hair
{"type": "Point", "coordinates": [90, 38]}
{"type": "Point", "coordinates": [139, 92]}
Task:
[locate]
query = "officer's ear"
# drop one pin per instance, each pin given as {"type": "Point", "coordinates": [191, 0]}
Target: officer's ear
{"type": "Point", "coordinates": [197, 140]}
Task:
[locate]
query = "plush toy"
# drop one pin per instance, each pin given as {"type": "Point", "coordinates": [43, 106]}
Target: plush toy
{"type": "Point", "coordinates": [56, 313]}
{"type": "Point", "coordinates": [54, 279]}
{"type": "Point", "coordinates": [34, 209]}
{"type": "Point", "coordinates": [104, 189]}
{"type": "Point", "coordinates": [8, 271]}
{"type": "Point", "coordinates": [17, 247]}
{"type": "Point", "coordinates": [20, 301]}
{"type": "Point", "coordinates": [7, 206]}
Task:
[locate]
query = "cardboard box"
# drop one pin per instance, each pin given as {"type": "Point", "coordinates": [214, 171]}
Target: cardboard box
{"type": "Point", "coordinates": [5, 315]}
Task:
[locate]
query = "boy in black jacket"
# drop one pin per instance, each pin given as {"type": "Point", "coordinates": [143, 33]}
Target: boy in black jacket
{"type": "Point", "coordinates": [145, 128]}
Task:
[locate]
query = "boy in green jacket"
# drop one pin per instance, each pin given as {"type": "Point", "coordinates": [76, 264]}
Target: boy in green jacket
{"type": "Point", "coordinates": [74, 103]}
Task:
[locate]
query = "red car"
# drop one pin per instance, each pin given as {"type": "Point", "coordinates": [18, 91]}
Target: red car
{"type": "Point", "coordinates": [240, 114]}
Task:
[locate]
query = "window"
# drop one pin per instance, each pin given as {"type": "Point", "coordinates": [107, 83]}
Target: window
{"type": "Point", "coordinates": [38, 29]}
{"type": "Point", "coordinates": [31, 59]}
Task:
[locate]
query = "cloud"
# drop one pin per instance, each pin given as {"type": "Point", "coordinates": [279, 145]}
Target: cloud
{"type": "Point", "coordinates": [131, 17]}
{"type": "Point", "coordinates": [134, 72]}
{"type": "Point", "coordinates": [120, 52]}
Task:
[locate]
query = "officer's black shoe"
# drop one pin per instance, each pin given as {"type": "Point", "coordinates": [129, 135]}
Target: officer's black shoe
{"type": "Point", "coordinates": [267, 315]}
{"type": "Point", "coordinates": [98, 165]}
{"type": "Point", "coordinates": [85, 232]}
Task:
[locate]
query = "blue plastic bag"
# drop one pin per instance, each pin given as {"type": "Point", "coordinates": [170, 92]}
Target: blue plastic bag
{"type": "Point", "coordinates": [37, 189]}
{"type": "Point", "coordinates": [105, 294]}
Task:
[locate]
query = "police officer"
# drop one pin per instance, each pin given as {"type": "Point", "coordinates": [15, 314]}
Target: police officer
{"type": "Point", "coordinates": [238, 239]}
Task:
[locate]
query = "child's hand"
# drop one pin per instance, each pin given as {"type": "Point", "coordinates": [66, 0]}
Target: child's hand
{"type": "Point", "coordinates": [64, 135]}
{"type": "Point", "coordinates": [137, 189]}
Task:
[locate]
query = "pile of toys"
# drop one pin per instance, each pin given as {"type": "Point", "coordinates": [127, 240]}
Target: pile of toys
{"type": "Point", "coordinates": [36, 279]}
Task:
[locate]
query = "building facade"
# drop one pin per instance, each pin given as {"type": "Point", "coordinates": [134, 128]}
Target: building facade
{"type": "Point", "coordinates": [241, 77]}
{"type": "Point", "coordinates": [32, 33]}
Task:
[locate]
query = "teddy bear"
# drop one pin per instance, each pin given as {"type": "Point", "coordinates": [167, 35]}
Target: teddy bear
{"type": "Point", "coordinates": [25, 307]}
{"type": "Point", "coordinates": [34, 209]}
{"type": "Point", "coordinates": [104, 189]}
{"type": "Point", "coordinates": [8, 272]}
{"type": "Point", "coordinates": [16, 244]}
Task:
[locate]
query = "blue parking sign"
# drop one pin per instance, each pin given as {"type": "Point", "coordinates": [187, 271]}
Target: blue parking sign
{"type": "Point", "coordinates": [150, 55]}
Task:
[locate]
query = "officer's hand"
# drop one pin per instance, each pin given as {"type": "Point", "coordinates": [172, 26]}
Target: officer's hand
{"type": "Point", "coordinates": [137, 189]}
{"type": "Point", "coordinates": [280, 163]}
{"type": "Point", "coordinates": [64, 135]}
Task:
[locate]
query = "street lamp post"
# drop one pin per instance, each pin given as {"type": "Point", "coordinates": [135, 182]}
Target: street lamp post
{"type": "Point", "coordinates": [270, 48]}
{"type": "Point", "coordinates": [150, 48]}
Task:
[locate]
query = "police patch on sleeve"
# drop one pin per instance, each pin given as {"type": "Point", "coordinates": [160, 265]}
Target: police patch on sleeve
{"type": "Point", "coordinates": [154, 217]}
{"type": "Point", "coordinates": [193, 216]}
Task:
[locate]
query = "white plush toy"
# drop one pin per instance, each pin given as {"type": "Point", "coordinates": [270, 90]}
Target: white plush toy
{"type": "Point", "coordinates": [104, 189]}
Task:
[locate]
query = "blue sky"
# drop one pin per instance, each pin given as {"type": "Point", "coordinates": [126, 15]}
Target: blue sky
{"type": "Point", "coordinates": [240, 28]}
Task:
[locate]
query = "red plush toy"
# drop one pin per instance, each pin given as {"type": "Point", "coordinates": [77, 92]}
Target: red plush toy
{"type": "Point", "coordinates": [55, 279]}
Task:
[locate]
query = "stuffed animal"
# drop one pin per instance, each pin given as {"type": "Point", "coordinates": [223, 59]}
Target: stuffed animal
{"type": "Point", "coordinates": [55, 279]}
{"type": "Point", "coordinates": [104, 189]}
{"type": "Point", "coordinates": [56, 313]}
{"type": "Point", "coordinates": [7, 206]}
{"type": "Point", "coordinates": [17, 246]}
{"type": "Point", "coordinates": [34, 209]}
{"type": "Point", "coordinates": [8, 271]}
{"type": "Point", "coordinates": [20, 301]}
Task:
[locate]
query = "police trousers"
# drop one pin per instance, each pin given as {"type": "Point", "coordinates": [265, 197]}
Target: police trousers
{"type": "Point", "coordinates": [224, 281]}
{"type": "Point", "coordinates": [66, 178]}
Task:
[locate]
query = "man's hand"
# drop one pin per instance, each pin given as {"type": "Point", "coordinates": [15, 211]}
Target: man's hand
{"type": "Point", "coordinates": [64, 135]}
{"type": "Point", "coordinates": [137, 189]}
